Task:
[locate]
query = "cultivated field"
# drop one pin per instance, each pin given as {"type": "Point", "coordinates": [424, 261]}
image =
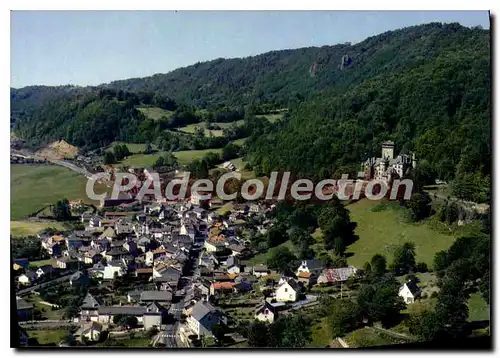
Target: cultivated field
{"type": "Point", "coordinates": [30, 228]}
{"type": "Point", "coordinates": [33, 187]}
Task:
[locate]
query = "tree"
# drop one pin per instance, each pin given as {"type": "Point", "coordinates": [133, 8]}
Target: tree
{"type": "Point", "coordinates": [230, 151]}
{"type": "Point", "coordinates": [419, 205]}
{"type": "Point", "coordinates": [424, 325]}
{"type": "Point", "coordinates": [343, 317]}
{"type": "Point", "coordinates": [61, 211]}
{"type": "Point", "coordinates": [380, 301]}
{"type": "Point", "coordinates": [219, 332]}
{"type": "Point", "coordinates": [281, 259]}
{"type": "Point", "coordinates": [109, 158]}
{"type": "Point", "coordinates": [160, 162]}
{"type": "Point", "coordinates": [290, 331]}
{"type": "Point", "coordinates": [258, 334]}
{"type": "Point", "coordinates": [378, 265]}
{"type": "Point", "coordinates": [404, 259]}
{"type": "Point", "coordinates": [276, 235]}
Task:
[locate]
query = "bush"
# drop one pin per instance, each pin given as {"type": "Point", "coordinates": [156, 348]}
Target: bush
{"type": "Point", "coordinates": [422, 267]}
{"type": "Point", "coordinates": [434, 294]}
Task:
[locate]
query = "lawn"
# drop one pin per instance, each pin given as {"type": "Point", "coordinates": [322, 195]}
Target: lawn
{"type": "Point", "coordinates": [43, 263]}
{"type": "Point", "coordinates": [479, 310]}
{"type": "Point", "coordinates": [367, 337]}
{"type": "Point", "coordinates": [47, 310]}
{"type": "Point", "coordinates": [30, 228]}
{"type": "Point", "coordinates": [155, 113]}
{"type": "Point", "coordinates": [321, 334]}
{"type": "Point", "coordinates": [379, 232]}
{"type": "Point", "coordinates": [33, 187]}
{"type": "Point", "coordinates": [262, 258]}
{"type": "Point", "coordinates": [48, 336]}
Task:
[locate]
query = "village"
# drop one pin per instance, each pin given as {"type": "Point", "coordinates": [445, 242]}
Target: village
{"type": "Point", "coordinates": [173, 271]}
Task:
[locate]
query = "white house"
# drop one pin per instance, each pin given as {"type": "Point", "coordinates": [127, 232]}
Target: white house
{"type": "Point", "coordinates": [203, 317]}
{"type": "Point", "coordinates": [409, 292]}
{"type": "Point", "coordinates": [27, 278]}
{"type": "Point", "coordinates": [265, 312]}
{"type": "Point", "coordinates": [111, 269]}
{"type": "Point", "coordinates": [91, 331]}
{"type": "Point", "coordinates": [287, 291]}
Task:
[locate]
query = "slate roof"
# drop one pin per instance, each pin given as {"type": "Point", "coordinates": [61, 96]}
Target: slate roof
{"type": "Point", "coordinates": [412, 286]}
{"type": "Point", "coordinates": [91, 302]}
{"type": "Point", "coordinates": [23, 305]}
{"type": "Point", "coordinates": [129, 310]}
{"type": "Point", "coordinates": [314, 264]}
{"type": "Point", "coordinates": [201, 309]}
{"type": "Point", "coordinates": [162, 296]}
{"type": "Point", "coordinates": [261, 307]}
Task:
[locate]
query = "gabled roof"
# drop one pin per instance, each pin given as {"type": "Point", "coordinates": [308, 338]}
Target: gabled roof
{"type": "Point", "coordinates": [261, 307]}
{"type": "Point", "coordinates": [91, 302]}
{"type": "Point", "coordinates": [412, 286]}
{"type": "Point", "coordinates": [313, 264]}
{"type": "Point", "coordinates": [129, 310]}
{"type": "Point", "coordinates": [201, 309]}
{"type": "Point", "coordinates": [154, 307]}
{"type": "Point", "coordinates": [162, 296]}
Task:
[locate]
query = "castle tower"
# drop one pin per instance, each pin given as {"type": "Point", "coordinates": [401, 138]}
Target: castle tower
{"type": "Point", "coordinates": [388, 150]}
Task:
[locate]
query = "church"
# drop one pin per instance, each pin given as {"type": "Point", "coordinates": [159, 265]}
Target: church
{"type": "Point", "coordinates": [387, 167]}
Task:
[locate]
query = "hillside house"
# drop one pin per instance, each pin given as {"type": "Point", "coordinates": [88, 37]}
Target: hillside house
{"type": "Point", "coordinates": [409, 291]}
{"type": "Point", "coordinates": [265, 312]}
{"type": "Point", "coordinates": [287, 291]}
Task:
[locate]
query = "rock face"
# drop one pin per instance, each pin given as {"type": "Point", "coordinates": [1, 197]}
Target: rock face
{"type": "Point", "coordinates": [58, 150]}
{"type": "Point", "coordinates": [345, 61]}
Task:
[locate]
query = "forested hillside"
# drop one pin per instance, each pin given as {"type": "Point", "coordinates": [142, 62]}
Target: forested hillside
{"type": "Point", "coordinates": [426, 87]}
{"type": "Point", "coordinates": [440, 109]}
{"type": "Point", "coordinates": [281, 77]}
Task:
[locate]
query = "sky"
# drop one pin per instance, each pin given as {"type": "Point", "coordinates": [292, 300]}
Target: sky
{"type": "Point", "coordinates": [94, 47]}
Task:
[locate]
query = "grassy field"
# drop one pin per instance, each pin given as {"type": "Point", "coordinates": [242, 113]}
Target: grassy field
{"type": "Point", "coordinates": [29, 228]}
{"type": "Point", "coordinates": [379, 232]}
{"type": "Point", "coordinates": [187, 156]}
{"type": "Point", "coordinates": [184, 157]}
{"type": "Point", "coordinates": [191, 128]}
{"type": "Point", "coordinates": [34, 186]}
{"type": "Point", "coordinates": [48, 336]}
{"type": "Point", "coordinates": [155, 113]}
{"type": "Point", "coordinates": [478, 308]}
{"type": "Point", "coordinates": [133, 147]}
{"type": "Point", "coordinates": [321, 334]}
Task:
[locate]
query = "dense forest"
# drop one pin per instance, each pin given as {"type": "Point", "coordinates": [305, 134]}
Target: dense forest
{"type": "Point", "coordinates": [425, 87]}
